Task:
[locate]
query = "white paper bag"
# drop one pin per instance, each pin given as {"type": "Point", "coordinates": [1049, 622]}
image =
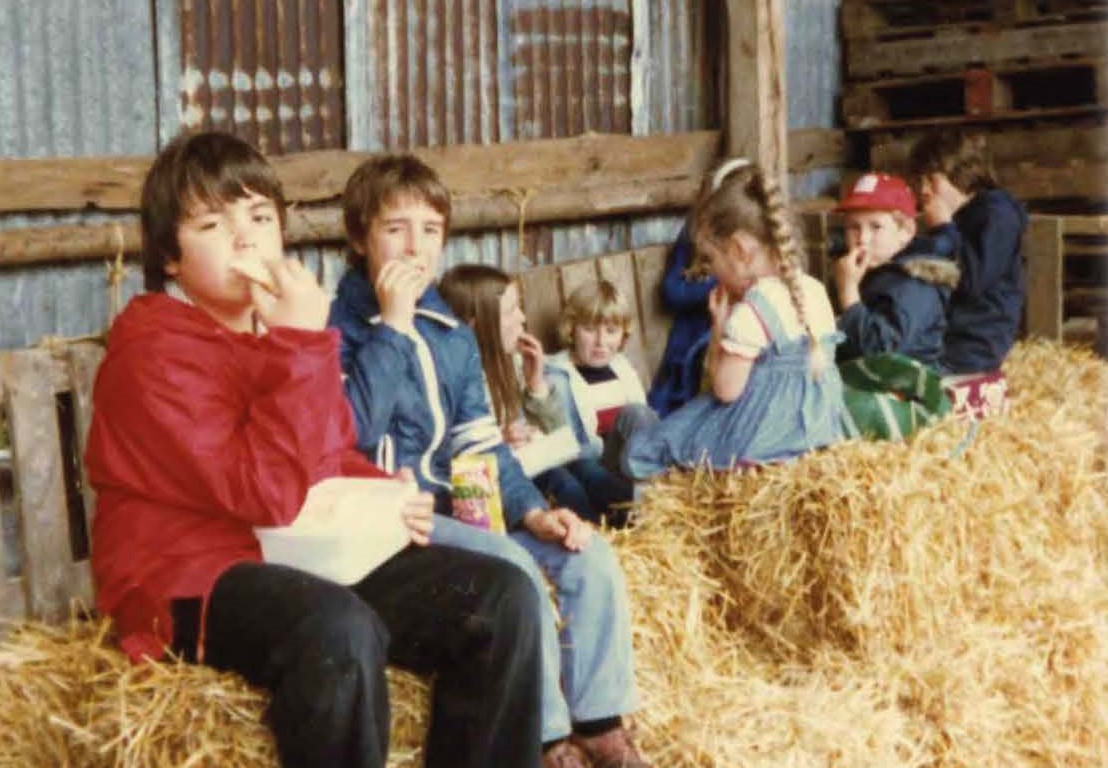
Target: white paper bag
{"type": "Point", "coordinates": [346, 528]}
{"type": "Point", "coordinates": [548, 451]}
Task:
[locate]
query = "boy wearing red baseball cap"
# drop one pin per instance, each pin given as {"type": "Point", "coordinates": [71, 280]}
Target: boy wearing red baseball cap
{"type": "Point", "coordinates": [892, 293]}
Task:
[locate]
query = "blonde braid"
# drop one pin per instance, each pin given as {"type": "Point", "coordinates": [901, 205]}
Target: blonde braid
{"type": "Point", "coordinates": [790, 257]}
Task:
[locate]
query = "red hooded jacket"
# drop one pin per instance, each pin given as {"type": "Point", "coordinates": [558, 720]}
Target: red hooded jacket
{"type": "Point", "coordinates": [198, 435]}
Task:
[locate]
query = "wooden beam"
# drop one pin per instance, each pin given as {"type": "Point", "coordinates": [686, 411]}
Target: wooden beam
{"type": "Point", "coordinates": [493, 210]}
{"type": "Point", "coordinates": [1018, 145]}
{"type": "Point", "coordinates": [1043, 260]}
{"type": "Point", "coordinates": [114, 183]}
{"type": "Point", "coordinates": [756, 104]}
{"type": "Point", "coordinates": [670, 186]}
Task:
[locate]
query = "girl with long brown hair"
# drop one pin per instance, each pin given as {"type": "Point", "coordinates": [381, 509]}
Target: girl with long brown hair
{"type": "Point", "coordinates": [524, 403]}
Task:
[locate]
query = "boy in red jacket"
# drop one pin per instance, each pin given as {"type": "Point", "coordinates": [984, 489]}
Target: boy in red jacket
{"type": "Point", "coordinates": [217, 415]}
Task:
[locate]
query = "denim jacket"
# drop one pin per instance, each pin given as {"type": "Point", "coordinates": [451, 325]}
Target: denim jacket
{"type": "Point", "coordinates": [420, 399]}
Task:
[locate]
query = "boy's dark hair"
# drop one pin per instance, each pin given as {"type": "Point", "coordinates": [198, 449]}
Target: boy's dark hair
{"type": "Point", "coordinates": [208, 168]}
{"type": "Point", "coordinates": [960, 156]}
{"type": "Point", "coordinates": [381, 181]}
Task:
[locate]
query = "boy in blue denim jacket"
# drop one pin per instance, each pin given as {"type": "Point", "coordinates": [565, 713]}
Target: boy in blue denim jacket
{"type": "Point", "coordinates": [415, 381]}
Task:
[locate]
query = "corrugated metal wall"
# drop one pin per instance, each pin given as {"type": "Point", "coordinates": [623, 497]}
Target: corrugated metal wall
{"type": "Point", "coordinates": [76, 78]}
{"type": "Point", "coordinates": [269, 71]}
{"type": "Point", "coordinates": [813, 73]}
{"type": "Point", "coordinates": [94, 77]}
{"type": "Point", "coordinates": [480, 71]}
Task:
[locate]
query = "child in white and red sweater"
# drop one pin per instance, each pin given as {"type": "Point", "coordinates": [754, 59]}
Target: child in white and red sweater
{"type": "Point", "coordinates": [605, 389]}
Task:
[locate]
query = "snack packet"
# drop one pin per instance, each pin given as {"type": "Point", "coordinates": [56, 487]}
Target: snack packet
{"type": "Point", "coordinates": [476, 498]}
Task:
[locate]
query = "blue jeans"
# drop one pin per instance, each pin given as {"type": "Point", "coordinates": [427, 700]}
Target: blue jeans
{"type": "Point", "coordinates": [588, 488]}
{"type": "Point", "coordinates": [587, 671]}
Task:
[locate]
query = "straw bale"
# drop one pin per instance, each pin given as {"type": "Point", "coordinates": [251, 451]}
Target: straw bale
{"type": "Point", "coordinates": [935, 603]}
{"type": "Point", "coordinates": [958, 578]}
{"type": "Point", "coordinates": [71, 698]}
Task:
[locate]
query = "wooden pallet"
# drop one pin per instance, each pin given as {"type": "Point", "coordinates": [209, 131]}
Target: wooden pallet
{"type": "Point", "coordinates": [1037, 162]}
{"type": "Point", "coordinates": [903, 19]}
{"type": "Point", "coordinates": [47, 402]}
{"type": "Point", "coordinates": [1043, 89]}
{"type": "Point", "coordinates": [951, 49]}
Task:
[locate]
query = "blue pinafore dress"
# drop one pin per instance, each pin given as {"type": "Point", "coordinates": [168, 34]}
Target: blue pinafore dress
{"type": "Point", "coordinates": [783, 412]}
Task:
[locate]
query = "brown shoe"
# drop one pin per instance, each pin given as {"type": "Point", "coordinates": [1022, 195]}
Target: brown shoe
{"type": "Point", "coordinates": [564, 754]}
{"type": "Point", "coordinates": [611, 749]}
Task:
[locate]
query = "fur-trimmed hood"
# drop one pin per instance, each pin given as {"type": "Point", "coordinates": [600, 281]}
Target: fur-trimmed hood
{"type": "Point", "coordinates": [930, 268]}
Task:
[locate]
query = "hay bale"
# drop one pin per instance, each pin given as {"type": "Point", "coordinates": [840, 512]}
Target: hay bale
{"type": "Point", "coordinates": [961, 584]}
{"type": "Point", "coordinates": [942, 602]}
{"type": "Point", "coordinates": [72, 698]}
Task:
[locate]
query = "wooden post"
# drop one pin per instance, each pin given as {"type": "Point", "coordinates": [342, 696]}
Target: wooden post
{"type": "Point", "coordinates": [756, 106]}
{"type": "Point", "coordinates": [1042, 255]}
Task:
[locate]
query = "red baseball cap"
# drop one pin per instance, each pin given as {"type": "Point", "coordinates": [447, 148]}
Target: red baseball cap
{"type": "Point", "coordinates": [880, 192]}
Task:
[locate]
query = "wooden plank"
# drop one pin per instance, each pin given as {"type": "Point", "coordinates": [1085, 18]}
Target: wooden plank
{"type": "Point", "coordinates": [83, 242]}
{"type": "Point", "coordinates": [50, 576]}
{"type": "Point", "coordinates": [1085, 225]}
{"type": "Point", "coordinates": [575, 274]}
{"type": "Point", "coordinates": [496, 210]}
{"type": "Point", "coordinates": [619, 270]}
{"type": "Point", "coordinates": [13, 604]}
{"type": "Point", "coordinates": [1087, 180]}
{"type": "Point", "coordinates": [952, 49]}
{"type": "Point", "coordinates": [812, 148]}
{"type": "Point", "coordinates": [1042, 253]}
{"type": "Point", "coordinates": [84, 359]}
{"type": "Point", "coordinates": [874, 19]}
{"type": "Point", "coordinates": [541, 295]}
{"type": "Point", "coordinates": [115, 183]}
{"type": "Point", "coordinates": [650, 267]}
{"type": "Point", "coordinates": [756, 101]}
{"type": "Point", "coordinates": [814, 232]}
{"type": "Point", "coordinates": [1048, 88]}
{"type": "Point", "coordinates": [1043, 143]}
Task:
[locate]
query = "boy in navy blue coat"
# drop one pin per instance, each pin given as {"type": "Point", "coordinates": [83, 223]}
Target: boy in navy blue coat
{"type": "Point", "coordinates": [892, 293]}
{"type": "Point", "coordinates": [982, 226]}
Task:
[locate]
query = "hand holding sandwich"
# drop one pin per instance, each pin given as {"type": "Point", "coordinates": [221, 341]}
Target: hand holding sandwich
{"type": "Point", "coordinates": [285, 293]}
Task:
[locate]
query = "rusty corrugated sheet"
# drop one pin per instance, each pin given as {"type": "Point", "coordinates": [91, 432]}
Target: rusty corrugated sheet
{"type": "Point", "coordinates": [269, 71]}
{"type": "Point", "coordinates": [480, 71]}
{"type": "Point", "coordinates": [571, 64]}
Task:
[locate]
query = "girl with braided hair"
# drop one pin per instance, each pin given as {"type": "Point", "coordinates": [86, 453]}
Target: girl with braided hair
{"type": "Point", "coordinates": [770, 391]}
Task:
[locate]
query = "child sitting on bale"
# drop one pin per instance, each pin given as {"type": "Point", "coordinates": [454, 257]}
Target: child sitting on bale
{"type": "Point", "coordinates": [606, 392]}
{"type": "Point", "coordinates": [893, 298]}
{"type": "Point", "coordinates": [774, 390]}
{"type": "Point", "coordinates": [530, 399]}
{"type": "Point", "coordinates": [207, 424]}
{"type": "Point", "coordinates": [685, 294]}
{"type": "Point", "coordinates": [415, 380]}
{"type": "Point", "coordinates": [970, 219]}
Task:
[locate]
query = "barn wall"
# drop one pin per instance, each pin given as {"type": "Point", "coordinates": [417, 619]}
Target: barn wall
{"type": "Point", "coordinates": [102, 77]}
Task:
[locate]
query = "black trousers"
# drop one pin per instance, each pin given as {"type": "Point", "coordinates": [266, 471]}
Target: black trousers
{"type": "Point", "coordinates": [321, 649]}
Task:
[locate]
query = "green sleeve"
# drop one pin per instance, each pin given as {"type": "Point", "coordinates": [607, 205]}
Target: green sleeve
{"type": "Point", "coordinates": [545, 413]}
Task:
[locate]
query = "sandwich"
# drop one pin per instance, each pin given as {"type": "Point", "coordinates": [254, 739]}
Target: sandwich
{"type": "Point", "coordinates": [256, 272]}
